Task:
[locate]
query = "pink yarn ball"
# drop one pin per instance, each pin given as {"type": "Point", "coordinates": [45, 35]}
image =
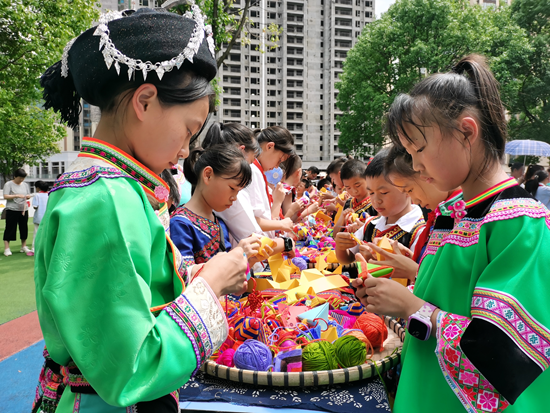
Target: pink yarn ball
{"type": "Point", "coordinates": [226, 358]}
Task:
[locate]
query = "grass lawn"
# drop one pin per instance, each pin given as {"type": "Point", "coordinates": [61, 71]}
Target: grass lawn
{"type": "Point", "coordinates": [16, 279]}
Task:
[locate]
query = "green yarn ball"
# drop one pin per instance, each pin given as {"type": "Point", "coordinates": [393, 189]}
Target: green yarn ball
{"type": "Point", "coordinates": [319, 356]}
{"type": "Point", "coordinates": [350, 351]}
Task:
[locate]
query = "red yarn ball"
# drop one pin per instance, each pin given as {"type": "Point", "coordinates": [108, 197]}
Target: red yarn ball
{"type": "Point", "coordinates": [374, 328]}
{"type": "Point", "coordinates": [226, 358]}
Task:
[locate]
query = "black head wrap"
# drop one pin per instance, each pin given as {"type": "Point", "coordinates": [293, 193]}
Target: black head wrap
{"type": "Point", "coordinates": [147, 35]}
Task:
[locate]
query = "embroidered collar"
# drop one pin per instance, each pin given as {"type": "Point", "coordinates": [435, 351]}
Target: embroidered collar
{"type": "Point", "coordinates": [491, 192]}
{"type": "Point", "coordinates": [443, 208]}
{"type": "Point", "coordinates": [358, 205]}
{"type": "Point", "coordinates": [151, 182]}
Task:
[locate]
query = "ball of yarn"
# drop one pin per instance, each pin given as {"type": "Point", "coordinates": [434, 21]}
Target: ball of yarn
{"type": "Point", "coordinates": [350, 351]}
{"type": "Point", "coordinates": [253, 355]}
{"type": "Point", "coordinates": [226, 358]}
{"type": "Point", "coordinates": [358, 334]}
{"type": "Point", "coordinates": [373, 327]}
{"type": "Point", "coordinates": [300, 263]}
{"type": "Point", "coordinates": [319, 355]}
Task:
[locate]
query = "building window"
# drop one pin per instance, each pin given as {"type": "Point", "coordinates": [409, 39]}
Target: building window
{"type": "Point", "coordinates": [357, 13]}
{"type": "Point", "coordinates": [254, 58]}
{"type": "Point", "coordinates": [144, 3]}
{"type": "Point", "coordinates": [368, 14]}
{"type": "Point", "coordinates": [368, 4]}
{"type": "Point", "coordinates": [357, 2]}
{"type": "Point", "coordinates": [357, 23]}
{"type": "Point", "coordinates": [271, 93]}
{"type": "Point", "coordinates": [254, 13]}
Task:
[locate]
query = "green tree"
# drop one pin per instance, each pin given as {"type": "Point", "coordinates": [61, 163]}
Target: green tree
{"type": "Point", "coordinates": [32, 36]}
{"type": "Point", "coordinates": [230, 24]}
{"type": "Point", "coordinates": [413, 39]}
{"type": "Point", "coordinates": [531, 106]}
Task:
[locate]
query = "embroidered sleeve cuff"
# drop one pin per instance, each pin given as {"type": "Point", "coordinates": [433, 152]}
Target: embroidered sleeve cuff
{"type": "Point", "coordinates": [470, 386]}
{"type": "Point", "coordinates": [199, 314]}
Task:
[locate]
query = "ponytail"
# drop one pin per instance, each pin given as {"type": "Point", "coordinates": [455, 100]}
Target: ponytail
{"type": "Point", "coordinates": [225, 161]}
{"type": "Point", "coordinates": [291, 165]}
{"type": "Point", "coordinates": [231, 134]}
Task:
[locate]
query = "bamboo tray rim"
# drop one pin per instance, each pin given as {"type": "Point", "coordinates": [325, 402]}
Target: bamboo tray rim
{"type": "Point", "coordinates": [311, 378]}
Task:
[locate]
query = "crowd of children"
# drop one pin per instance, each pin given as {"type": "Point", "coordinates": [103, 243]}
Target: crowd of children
{"type": "Point", "coordinates": [129, 277]}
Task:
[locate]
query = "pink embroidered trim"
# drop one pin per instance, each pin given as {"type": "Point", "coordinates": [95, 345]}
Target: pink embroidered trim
{"type": "Point", "coordinates": [506, 312]}
{"type": "Point", "coordinates": [473, 390]}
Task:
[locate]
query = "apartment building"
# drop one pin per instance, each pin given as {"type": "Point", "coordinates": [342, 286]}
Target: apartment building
{"type": "Point", "coordinates": [293, 85]}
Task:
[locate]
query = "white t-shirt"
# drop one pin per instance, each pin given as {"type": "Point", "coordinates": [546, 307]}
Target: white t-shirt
{"type": "Point", "coordinates": [258, 197]}
{"type": "Point", "coordinates": [39, 201]}
{"type": "Point", "coordinates": [239, 218]}
{"type": "Point", "coordinates": [543, 195]}
{"type": "Point", "coordinates": [406, 223]}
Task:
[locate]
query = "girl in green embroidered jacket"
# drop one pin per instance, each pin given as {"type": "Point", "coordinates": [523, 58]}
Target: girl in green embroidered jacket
{"type": "Point", "coordinates": [479, 328]}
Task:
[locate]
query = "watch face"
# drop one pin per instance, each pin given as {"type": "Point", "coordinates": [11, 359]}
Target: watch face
{"type": "Point", "coordinates": [418, 329]}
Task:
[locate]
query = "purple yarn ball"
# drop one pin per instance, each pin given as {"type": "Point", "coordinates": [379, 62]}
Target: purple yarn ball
{"type": "Point", "coordinates": [300, 263]}
{"type": "Point", "coordinates": [253, 355]}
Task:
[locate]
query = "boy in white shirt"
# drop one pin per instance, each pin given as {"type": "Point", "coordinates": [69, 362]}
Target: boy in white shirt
{"type": "Point", "coordinates": [39, 202]}
{"type": "Point", "coordinates": [399, 220]}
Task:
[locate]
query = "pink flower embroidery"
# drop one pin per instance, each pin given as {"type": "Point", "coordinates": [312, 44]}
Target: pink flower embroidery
{"type": "Point", "coordinates": [161, 193]}
{"type": "Point", "coordinates": [470, 392]}
{"type": "Point", "coordinates": [458, 209]}
{"type": "Point", "coordinates": [468, 364]}
{"type": "Point", "coordinates": [124, 166]}
{"type": "Point", "coordinates": [486, 385]}
{"type": "Point", "coordinates": [451, 332]}
{"type": "Point", "coordinates": [467, 378]}
{"type": "Point", "coordinates": [487, 401]}
{"type": "Point", "coordinates": [102, 153]}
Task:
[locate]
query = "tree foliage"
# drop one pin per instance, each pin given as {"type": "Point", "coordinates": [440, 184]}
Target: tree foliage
{"type": "Point", "coordinates": [232, 24]}
{"type": "Point", "coordinates": [531, 106]}
{"type": "Point", "coordinates": [32, 36]}
{"type": "Point", "coordinates": [413, 39]}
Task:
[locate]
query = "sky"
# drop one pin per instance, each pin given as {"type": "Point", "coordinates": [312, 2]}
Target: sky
{"type": "Point", "coordinates": [381, 6]}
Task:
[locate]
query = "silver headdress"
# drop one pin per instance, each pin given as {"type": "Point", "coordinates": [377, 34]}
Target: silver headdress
{"type": "Point", "coordinates": [112, 55]}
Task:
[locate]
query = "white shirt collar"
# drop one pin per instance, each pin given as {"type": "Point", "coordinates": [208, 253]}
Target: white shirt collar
{"type": "Point", "coordinates": [406, 222]}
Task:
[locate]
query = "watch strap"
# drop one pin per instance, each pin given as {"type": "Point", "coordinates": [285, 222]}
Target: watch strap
{"type": "Point", "coordinates": [426, 310]}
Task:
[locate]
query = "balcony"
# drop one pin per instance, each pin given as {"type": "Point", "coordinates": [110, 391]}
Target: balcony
{"type": "Point", "coordinates": [343, 12]}
{"type": "Point", "coordinates": [343, 22]}
{"type": "Point", "coordinates": [343, 33]}
{"type": "Point", "coordinates": [344, 2]}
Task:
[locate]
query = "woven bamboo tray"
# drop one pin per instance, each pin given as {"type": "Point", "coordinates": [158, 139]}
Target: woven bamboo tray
{"type": "Point", "coordinates": [384, 361]}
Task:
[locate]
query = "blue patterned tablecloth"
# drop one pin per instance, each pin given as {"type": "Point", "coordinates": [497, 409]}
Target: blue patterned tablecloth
{"type": "Point", "coordinates": [363, 396]}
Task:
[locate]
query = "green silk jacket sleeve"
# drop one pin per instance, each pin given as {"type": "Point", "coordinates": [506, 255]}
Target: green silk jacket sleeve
{"type": "Point", "coordinates": [102, 263]}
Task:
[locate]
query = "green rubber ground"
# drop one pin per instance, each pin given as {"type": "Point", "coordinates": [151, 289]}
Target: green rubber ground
{"type": "Point", "coordinates": [16, 279]}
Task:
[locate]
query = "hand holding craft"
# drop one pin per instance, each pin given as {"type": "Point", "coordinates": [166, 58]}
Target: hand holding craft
{"type": "Point", "coordinates": [385, 296]}
{"type": "Point", "coordinates": [404, 267]}
{"type": "Point", "coordinates": [225, 273]}
{"type": "Point", "coordinates": [344, 240]}
{"type": "Point", "coordinates": [251, 245]}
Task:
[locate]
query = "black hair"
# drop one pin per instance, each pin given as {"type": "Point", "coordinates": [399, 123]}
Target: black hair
{"type": "Point", "coordinates": [283, 140]}
{"type": "Point", "coordinates": [375, 167]}
{"type": "Point", "coordinates": [168, 177]}
{"type": "Point", "coordinates": [306, 182]}
{"type": "Point", "coordinates": [231, 133]}
{"type": "Point", "coordinates": [336, 165]}
{"type": "Point", "coordinates": [515, 166]}
{"type": "Point", "coordinates": [441, 98]}
{"type": "Point", "coordinates": [398, 162]}
{"type": "Point", "coordinates": [322, 183]}
{"type": "Point", "coordinates": [531, 170]}
{"type": "Point", "coordinates": [19, 173]}
{"type": "Point", "coordinates": [225, 160]}
{"type": "Point", "coordinates": [176, 88]}
{"type": "Point", "coordinates": [295, 164]}
{"type": "Point", "coordinates": [532, 185]}
{"type": "Point", "coordinates": [313, 169]}
{"type": "Point", "coordinates": [42, 186]}
{"type": "Point", "coordinates": [353, 168]}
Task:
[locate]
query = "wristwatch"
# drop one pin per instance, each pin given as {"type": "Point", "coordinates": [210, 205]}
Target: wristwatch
{"type": "Point", "coordinates": [288, 244]}
{"type": "Point", "coordinates": [420, 324]}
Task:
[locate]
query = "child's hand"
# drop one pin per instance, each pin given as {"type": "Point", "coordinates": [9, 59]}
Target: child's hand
{"type": "Point", "coordinates": [366, 252]}
{"type": "Point", "coordinates": [325, 196]}
{"type": "Point", "coordinates": [225, 273]}
{"type": "Point", "coordinates": [385, 296]}
{"type": "Point", "coordinates": [313, 208]}
{"type": "Point", "coordinates": [404, 267]}
{"type": "Point", "coordinates": [401, 249]}
{"type": "Point", "coordinates": [353, 227]}
{"type": "Point", "coordinates": [344, 241]}
{"type": "Point", "coordinates": [278, 193]}
{"type": "Point", "coordinates": [295, 207]}
{"type": "Point", "coordinates": [251, 245]}
{"type": "Point", "coordinates": [287, 225]}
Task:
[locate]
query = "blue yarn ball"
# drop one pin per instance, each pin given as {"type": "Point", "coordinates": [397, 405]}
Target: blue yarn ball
{"type": "Point", "coordinates": [300, 263]}
{"type": "Point", "coordinates": [253, 355]}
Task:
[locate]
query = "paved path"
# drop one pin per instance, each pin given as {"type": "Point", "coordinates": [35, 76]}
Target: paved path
{"type": "Point", "coordinates": [21, 346]}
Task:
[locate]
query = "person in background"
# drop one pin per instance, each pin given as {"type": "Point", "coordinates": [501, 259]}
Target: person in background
{"type": "Point", "coordinates": [301, 188]}
{"type": "Point", "coordinates": [312, 172]}
{"type": "Point", "coordinates": [39, 202]}
{"type": "Point", "coordinates": [531, 170]}
{"type": "Point", "coordinates": [333, 171]}
{"type": "Point", "coordinates": [325, 183]}
{"type": "Point", "coordinates": [536, 186]}
{"type": "Point", "coordinates": [16, 193]}
{"type": "Point", "coordinates": [517, 171]}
